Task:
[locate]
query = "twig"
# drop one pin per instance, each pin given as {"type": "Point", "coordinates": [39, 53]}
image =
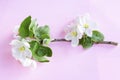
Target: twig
{"type": "Point", "coordinates": [60, 40]}
{"type": "Point", "coordinates": [103, 42]}
{"type": "Point", "coordinates": [107, 42]}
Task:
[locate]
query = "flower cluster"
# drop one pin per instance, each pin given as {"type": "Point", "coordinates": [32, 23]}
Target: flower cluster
{"type": "Point", "coordinates": [83, 31]}
{"type": "Point", "coordinates": [22, 53]}
{"type": "Point", "coordinates": [31, 43]}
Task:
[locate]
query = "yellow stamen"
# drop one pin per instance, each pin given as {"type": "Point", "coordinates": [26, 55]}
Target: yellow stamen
{"type": "Point", "coordinates": [21, 49]}
{"type": "Point", "coordinates": [74, 33]}
{"type": "Point", "coordinates": [86, 25]}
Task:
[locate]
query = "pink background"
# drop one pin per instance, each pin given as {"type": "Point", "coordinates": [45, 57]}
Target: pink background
{"type": "Point", "coordinates": [101, 62]}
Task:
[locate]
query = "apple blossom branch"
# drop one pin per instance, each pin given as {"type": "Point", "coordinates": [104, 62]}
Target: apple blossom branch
{"type": "Point", "coordinates": [103, 42]}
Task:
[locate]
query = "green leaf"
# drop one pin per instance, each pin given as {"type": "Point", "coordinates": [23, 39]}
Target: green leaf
{"type": "Point", "coordinates": [86, 42]}
{"type": "Point", "coordinates": [46, 41]}
{"type": "Point", "coordinates": [32, 28]}
{"type": "Point", "coordinates": [45, 36]}
{"type": "Point", "coordinates": [39, 52]}
{"type": "Point", "coordinates": [34, 45]}
{"type": "Point", "coordinates": [44, 51]}
{"type": "Point", "coordinates": [31, 34]}
{"type": "Point", "coordinates": [97, 36]}
{"type": "Point", "coordinates": [42, 32]}
{"type": "Point", "coordinates": [40, 59]}
{"type": "Point", "coordinates": [33, 24]}
{"type": "Point", "coordinates": [24, 27]}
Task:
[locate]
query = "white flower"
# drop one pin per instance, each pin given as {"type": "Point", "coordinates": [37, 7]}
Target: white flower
{"type": "Point", "coordinates": [81, 25]}
{"type": "Point", "coordinates": [22, 53]}
{"type": "Point", "coordinates": [21, 49]}
{"type": "Point", "coordinates": [86, 24]}
{"type": "Point", "coordinates": [74, 34]}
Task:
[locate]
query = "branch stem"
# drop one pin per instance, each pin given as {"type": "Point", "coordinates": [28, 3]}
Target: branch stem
{"type": "Point", "coordinates": [103, 42]}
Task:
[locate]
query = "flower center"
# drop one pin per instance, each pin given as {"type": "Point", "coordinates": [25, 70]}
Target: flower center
{"type": "Point", "coordinates": [86, 25]}
{"type": "Point", "coordinates": [74, 33]}
{"type": "Point", "coordinates": [21, 49]}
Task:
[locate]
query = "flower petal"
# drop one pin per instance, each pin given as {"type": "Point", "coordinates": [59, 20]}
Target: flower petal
{"type": "Point", "coordinates": [92, 25]}
{"type": "Point", "coordinates": [14, 42]}
{"type": "Point", "coordinates": [15, 54]}
{"type": "Point", "coordinates": [88, 32]}
{"type": "Point", "coordinates": [26, 62]}
{"type": "Point", "coordinates": [25, 43]}
{"type": "Point", "coordinates": [75, 42]}
{"type": "Point", "coordinates": [68, 36]}
{"type": "Point", "coordinates": [80, 30]}
{"type": "Point", "coordinates": [79, 36]}
{"type": "Point", "coordinates": [33, 64]}
{"type": "Point", "coordinates": [27, 53]}
{"type": "Point", "coordinates": [82, 21]}
{"type": "Point", "coordinates": [29, 63]}
{"type": "Point", "coordinates": [86, 18]}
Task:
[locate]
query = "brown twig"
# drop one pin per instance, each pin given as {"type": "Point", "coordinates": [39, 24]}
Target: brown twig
{"type": "Point", "coordinates": [103, 42]}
